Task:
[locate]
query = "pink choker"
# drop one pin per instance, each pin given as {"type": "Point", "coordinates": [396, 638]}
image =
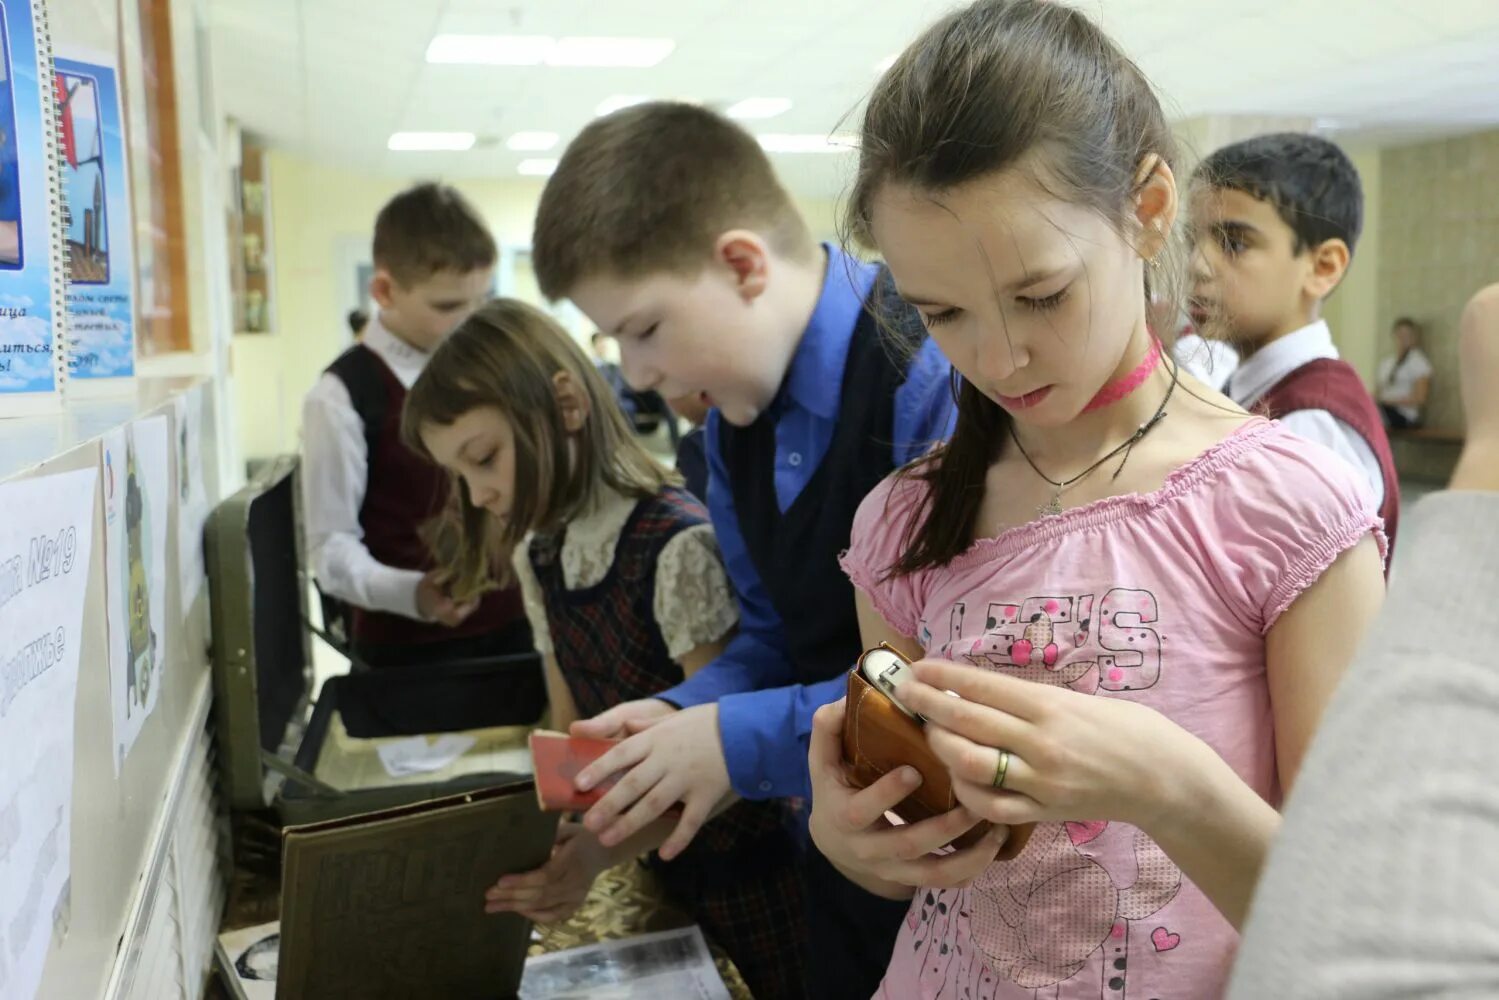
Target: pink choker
{"type": "Point", "coordinates": [1126, 384]}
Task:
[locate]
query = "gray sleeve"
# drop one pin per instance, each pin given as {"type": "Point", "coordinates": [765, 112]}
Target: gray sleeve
{"type": "Point", "coordinates": [1385, 879]}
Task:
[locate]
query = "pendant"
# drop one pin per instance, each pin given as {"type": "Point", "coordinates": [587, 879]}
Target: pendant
{"type": "Point", "coordinates": [1053, 508]}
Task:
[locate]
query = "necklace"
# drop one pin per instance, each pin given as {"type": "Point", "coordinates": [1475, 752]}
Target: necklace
{"type": "Point", "coordinates": [1054, 507]}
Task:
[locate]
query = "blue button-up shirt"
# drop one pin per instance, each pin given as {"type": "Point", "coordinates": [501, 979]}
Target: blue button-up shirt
{"type": "Point", "coordinates": [765, 718]}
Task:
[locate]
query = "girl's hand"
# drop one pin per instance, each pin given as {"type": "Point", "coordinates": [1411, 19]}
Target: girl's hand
{"type": "Point", "coordinates": [849, 825]}
{"type": "Point", "coordinates": [1073, 757]}
{"type": "Point", "coordinates": [553, 892]}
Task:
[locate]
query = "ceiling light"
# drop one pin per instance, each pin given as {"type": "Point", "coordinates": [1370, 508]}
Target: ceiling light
{"type": "Point", "coordinates": [618, 102]}
{"type": "Point", "coordinates": [536, 168]}
{"type": "Point", "coordinates": [759, 107]}
{"type": "Point", "coordinates": [429, 141]}
{"type": "Point", "coordinates": [630, 52]}
{"type": "Point", "coordinates": [531, 142]}
{"type": "Point", "coordinates": [886, 63]}
{"type": "Point", "coordinates": [490, 50]}
{"type": "Point", "coordinates": [785, 142]}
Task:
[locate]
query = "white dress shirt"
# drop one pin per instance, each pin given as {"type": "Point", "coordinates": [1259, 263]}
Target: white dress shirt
{"type": "Point", "coordinates": [1211, 361]}
{"type": "Point", "coordinates": [1399, 381]}
{"type": "Point", "coordinates": [1261, 371]}
{"type": "Point", "coordinates": [335, 473]}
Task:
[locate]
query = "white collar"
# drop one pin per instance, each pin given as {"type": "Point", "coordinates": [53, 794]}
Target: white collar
{"type": "Point", "coordinates": [588, 548]}
{"type": "Point", "coordinates": [406, 361]}
{"type": "Point", "coordinates": [1260, 372]}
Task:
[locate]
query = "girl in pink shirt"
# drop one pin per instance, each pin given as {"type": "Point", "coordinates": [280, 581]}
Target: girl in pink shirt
{"type": "Point", "coordinates": [1142, 595]}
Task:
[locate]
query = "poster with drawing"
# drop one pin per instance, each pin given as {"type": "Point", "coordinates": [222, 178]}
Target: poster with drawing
{"type": "Point", "coordinates": [45, 540]}
{"type": "Point", "coordinates": [33, 345]}
{"type": "Point", "coordinates": [192, 492]}
{"type": "Point", "coordinates": [101, 307]}
{"type": "Point", "coordinates": [136, 467]}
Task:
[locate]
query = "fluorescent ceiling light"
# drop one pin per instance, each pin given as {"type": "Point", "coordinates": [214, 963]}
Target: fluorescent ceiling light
{"type": "Point", "coordinates": [618, 102]}
{"type": "Point", "coordinates": [758, 107]}
{"type": "Point", "coordinates": [886, 63]}
{"type": "Point", "coordinates": [631, 52]}
{"type": "Point", "coordinates": [785, 142]}
{"type": "Point", "coordinates": [536, 50]}
{"type": "Point", "coordinates": [429, 141]}
{"type": "Point", "coordinates": [490, 50]}
{"type": "Point", "coordinates": [536, 168]}
{"type": "Point", "coordinates": [531, 142]}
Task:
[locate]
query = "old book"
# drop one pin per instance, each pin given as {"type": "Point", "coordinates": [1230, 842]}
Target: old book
{"type": "Point", "coordinates": [390, 905]}
{"type": "Point", "coordinates": [557, 759]}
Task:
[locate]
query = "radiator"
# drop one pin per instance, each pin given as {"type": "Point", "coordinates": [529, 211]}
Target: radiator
{"type": "Point", "coordinates": [173, 924]}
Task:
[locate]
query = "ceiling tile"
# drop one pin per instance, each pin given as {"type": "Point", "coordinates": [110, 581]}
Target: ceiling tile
{"type": "Point", "coordinates": [333, 78]}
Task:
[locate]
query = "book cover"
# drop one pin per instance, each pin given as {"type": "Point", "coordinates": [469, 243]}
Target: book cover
{"type": "Point", "coordinates": [390, 905]}
{"type": "Point", "coordinates": [101, 270]}
{"type": "Point", "coordinates": [33, 346]}
{"type": "Point", "coordinates": [557, 759]}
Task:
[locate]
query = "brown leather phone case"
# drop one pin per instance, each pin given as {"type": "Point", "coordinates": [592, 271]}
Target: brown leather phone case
{"type": "Point", "coordinates": [879, 737]}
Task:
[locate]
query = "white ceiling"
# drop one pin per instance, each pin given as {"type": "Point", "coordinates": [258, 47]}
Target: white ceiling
{"type": "Point", "coordinates": [334, 78]}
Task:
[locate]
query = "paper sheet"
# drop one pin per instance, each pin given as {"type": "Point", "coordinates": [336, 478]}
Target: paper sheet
{"type": "Point", "coordinates": [136, 469]}
{"type": "Point", "coordinates": [192, 493]}
{"type": "Point", "coordinates": [351, 764]}
{"type": "Point", "coordinates": [45, 540]}
{"type": "Point", "coordinates": [251, 956]}
{"type": "Point", "coordinates": [674, 964]}
{"type": "Point", "coordinates": [419, 755]}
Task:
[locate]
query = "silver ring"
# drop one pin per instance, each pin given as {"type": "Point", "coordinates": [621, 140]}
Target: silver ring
{"type": "Point", "coordinates": [1002, 769]}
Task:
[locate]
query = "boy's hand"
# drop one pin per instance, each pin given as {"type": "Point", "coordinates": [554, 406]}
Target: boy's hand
{"type": "Point", "coordinates": [676, 759]}
{"type": "Point", "coordinates": [625, 719]}
{"type": "Point", "coordinates": [553, 892]}
{"type": "Point", "coordinates": [434, 604]}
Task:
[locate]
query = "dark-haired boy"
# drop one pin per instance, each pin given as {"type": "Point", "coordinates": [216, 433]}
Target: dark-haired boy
{"type": "Point", "coordinates": [1275, 220]}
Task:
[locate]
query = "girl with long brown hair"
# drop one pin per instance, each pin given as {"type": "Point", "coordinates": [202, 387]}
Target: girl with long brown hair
{"type": "Point", "coordinates": [1141, 595]}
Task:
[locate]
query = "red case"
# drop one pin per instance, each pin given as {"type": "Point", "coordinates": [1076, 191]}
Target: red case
{"type": "Point", "coordinates": [558, 758]}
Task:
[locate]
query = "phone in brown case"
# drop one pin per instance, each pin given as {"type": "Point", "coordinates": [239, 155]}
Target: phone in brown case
{"type": "Point", "coordinates": [880, 734]}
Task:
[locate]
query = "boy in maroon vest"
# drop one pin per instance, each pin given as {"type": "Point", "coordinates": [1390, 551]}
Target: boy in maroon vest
{"type": "Point", "coordinates": [1274, 222]}
{"type": "Point", "coordinates": [367, 497]}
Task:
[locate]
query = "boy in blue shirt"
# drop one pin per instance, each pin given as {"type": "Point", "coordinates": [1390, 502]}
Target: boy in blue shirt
{"type": "Point", "coordinates": [666, 225]}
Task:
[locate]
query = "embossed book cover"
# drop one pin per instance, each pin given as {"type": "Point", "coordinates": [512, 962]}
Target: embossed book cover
{"type": "Point", "coordinates": [390, 906]}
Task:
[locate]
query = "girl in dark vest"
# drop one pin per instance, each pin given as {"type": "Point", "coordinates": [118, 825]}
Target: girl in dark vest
{"type": "Point", "coordinates": [626, 594]}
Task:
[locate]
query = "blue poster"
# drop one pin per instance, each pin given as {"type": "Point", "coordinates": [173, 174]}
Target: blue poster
{"type": "Point", "coordinates": [29, 272]}
{"type": "Point", "coordinates": [101, 310]}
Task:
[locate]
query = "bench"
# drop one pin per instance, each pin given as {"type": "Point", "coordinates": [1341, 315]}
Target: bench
{"type": "Point", "coordinates": [1426, 454]}
{"type": "Point", "coordinates": [1435, 435]}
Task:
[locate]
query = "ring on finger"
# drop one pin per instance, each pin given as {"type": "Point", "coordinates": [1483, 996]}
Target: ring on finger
{"type": "Point", "coordinates": [1001, 769]}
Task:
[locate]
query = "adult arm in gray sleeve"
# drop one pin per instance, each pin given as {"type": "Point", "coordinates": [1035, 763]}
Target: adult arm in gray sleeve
{"type": "Point", "coordinates": [1385, 879]}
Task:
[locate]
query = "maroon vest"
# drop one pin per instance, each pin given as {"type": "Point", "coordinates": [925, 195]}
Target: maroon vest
{"type": "Point", "coordinates": [403, 491]}
{"type": "Point", "coordinates": [1332, 385]}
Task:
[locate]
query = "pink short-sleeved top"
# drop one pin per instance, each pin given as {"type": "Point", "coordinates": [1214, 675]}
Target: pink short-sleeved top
{"type": "Point", "coordinates": [1163, 599]}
